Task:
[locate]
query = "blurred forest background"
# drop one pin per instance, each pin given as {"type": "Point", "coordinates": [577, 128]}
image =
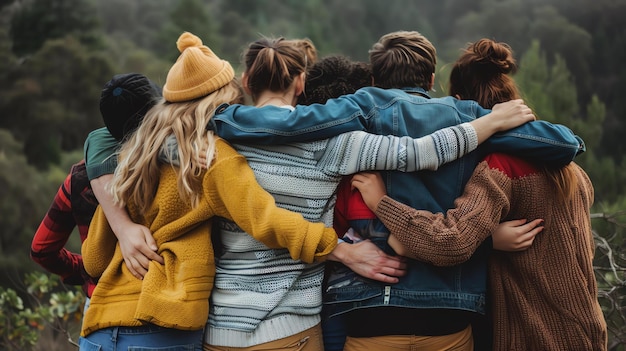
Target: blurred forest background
{"type": "Point", "coordinates": [55, 55]}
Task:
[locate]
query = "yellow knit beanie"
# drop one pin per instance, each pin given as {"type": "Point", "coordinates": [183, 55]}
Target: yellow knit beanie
{"type": "Point", "coordinates": [197, 72]}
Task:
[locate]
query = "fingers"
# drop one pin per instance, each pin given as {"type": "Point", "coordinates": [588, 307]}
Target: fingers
{"type": "Point", "coordinates": [136, 268]}
{"type": "Point", "coordinates": [527, 234]}
{"type": "Point", "coordinates": [151, 253]}
{"type": "Point", "coordinates": [530, 225]}
{"type": "Point", "coordinates": [527, 238]}
{"type": "Point", "coordinates": [367, 260]}
{"type": "Point", "coordinates": [360, 179]}
{"type": "Point", "coordinates": [385, 278]}
{"type": "Point", "coordinates": [516, 235]}
{"type": "Point", "coordinates": [518, 110]}
{"type": "Point", "coordinates": [386, 274]}
{"type": "Point", "coordinates": [515, 222]}
{"type": "Point", "coordinates": [138, 260]}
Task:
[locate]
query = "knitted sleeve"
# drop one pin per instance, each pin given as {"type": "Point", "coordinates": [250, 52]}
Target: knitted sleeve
{"type": "Point", "coordinates": [233, 192]}
{"type": "Point", "coordinates": [48, 245]}
{"type": "Point", "coordinates": [360, 151]}
{"type": "Point", "coordinates": [453, 238]}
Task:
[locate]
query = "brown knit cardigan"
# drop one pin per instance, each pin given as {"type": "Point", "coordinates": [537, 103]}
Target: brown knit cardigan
{"type": "Point", "coordinates": [544, 298]}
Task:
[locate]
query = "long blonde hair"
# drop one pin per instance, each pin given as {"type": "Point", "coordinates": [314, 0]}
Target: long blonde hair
{"type": "Point", "coordinates": [137, 175]}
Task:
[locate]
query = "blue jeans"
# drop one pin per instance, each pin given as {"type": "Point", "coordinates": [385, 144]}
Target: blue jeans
{"type": "Point", "coordinates": [145, 338]}
{"type": "Point", "coordinates": [334, 333]}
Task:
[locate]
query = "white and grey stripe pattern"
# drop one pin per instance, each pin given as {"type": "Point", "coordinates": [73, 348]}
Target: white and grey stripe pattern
{"type": "Point", "coordinates": [261, 294]}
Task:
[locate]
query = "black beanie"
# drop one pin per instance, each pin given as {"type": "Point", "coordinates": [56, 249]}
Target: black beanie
{"type": "Point", "coordinates": [124, 101]}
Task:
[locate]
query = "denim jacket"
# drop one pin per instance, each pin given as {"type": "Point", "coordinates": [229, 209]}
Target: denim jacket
{"type": "Point", "coordinates": [404, 112]}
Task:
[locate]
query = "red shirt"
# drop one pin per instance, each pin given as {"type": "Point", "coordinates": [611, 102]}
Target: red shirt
{"type": "Point", "coordinates": [350, 206]}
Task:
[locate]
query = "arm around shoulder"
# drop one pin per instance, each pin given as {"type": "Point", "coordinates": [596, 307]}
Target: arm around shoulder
{"type": "Point", "coordinates": [538, 140]}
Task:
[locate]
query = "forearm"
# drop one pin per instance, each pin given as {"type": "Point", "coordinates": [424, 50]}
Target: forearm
{"type": "Point", "coordinates": [445, 246]}
{"type": "Point", "coordinates": [538, 141]}
{"type": "Point", "coordinates": [485, 127]}
{"type": "Point", "coordinates": [238, 123]}
{"type": "Point", "coordinates": [339, 253]}
{"type": "Point", "coordinates": [453, 238]}
{"type": "Point", "coordinates": [62, 262]}
{"type": "Point", "coordinates": [359, 151]}
{"type": "Point", "coordinates": [116, 215]}
{"type": "Point", "coordinates": [233, 193]}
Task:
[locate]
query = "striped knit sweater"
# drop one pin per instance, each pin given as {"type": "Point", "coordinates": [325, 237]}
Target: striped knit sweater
{"type": "Point", "coordinates": [544, 298]}
{"type": "Point", "coordinates": [260, 294]}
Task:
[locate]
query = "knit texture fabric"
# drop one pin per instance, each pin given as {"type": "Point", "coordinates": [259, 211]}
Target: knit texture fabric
{"type": "Point", "coordinates": [544, 298]}
{"type": "Point", "coordinates": [176, 294]}
{"type": "Point", "coordinates": [261, 294]}
{"type": "Point", "coordinates": [197, 72]}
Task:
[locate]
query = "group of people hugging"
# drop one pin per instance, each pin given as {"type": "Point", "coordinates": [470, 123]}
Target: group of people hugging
{"type": "Point", "coordinates": [321, 203]}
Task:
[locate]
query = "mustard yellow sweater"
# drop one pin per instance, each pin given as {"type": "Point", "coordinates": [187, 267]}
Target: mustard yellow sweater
{"type": "Point", "coordinates": [176, 294]}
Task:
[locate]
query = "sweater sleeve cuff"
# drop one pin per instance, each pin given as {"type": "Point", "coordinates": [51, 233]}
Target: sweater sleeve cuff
{"type": "Point", "coordinates": [389, 211]}
{"type": "Point", "coordinates": [327, 244]}
{"type": "Point", "coordinates": [472, 136]}
{"type": "Point", "coordinates": [106, 167]}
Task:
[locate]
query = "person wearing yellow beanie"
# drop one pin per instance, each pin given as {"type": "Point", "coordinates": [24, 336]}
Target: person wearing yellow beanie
{"type": "Point", "coordinates": [169, 307]}
{"type": "Point", "coordinates": [197, 72]}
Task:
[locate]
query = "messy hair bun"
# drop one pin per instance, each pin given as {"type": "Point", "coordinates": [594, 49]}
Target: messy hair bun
{"type": "Point", "coordinates": [482, 72]}
{"type": "Point", "coordinates": [494, 57]}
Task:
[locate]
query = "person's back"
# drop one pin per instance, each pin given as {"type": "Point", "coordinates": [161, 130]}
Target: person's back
{"type": "Point", "coordinates": [563, 198]}
{"type": "Point", "coordinates": [262, 295]}
{"type": "Point", "coordinates": [438, 301]}
{"type": "Point", "coordinates": [545, 296]}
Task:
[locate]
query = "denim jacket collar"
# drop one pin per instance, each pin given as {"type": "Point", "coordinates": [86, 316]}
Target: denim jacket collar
{"type": "Point", "coordinates": [417, 90]}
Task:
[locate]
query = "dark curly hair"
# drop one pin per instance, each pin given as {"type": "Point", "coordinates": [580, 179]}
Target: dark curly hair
{"type": "Point", "coordinates": [332, 77]}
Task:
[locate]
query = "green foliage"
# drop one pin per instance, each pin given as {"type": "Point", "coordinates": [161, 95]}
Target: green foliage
{"type": "Point", "coordinates": [137, 21]}
{"type": "Point", "coordinates": [58, 87]}
{"type": "Point", "coordinates": [591, 128]}
{"type": "Point", "coordinates": [52, 307]}
{"type": "Point", "coordinates": [191, 16]}
{"type": "Point", "coordinates": [567, 40]}
{"type": "Point", "coordinates": [16, 323]}
{"type": "Point", "coordinates": [507, 20]}
{"type": "Point", "coordinates": [25, 196]}
{"type": "Point", "coordinates": [6, 55]}
{"type": "Point", "coordinates": [549, 90]}
{"type": "Point", "coordinates": [37, 21]}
